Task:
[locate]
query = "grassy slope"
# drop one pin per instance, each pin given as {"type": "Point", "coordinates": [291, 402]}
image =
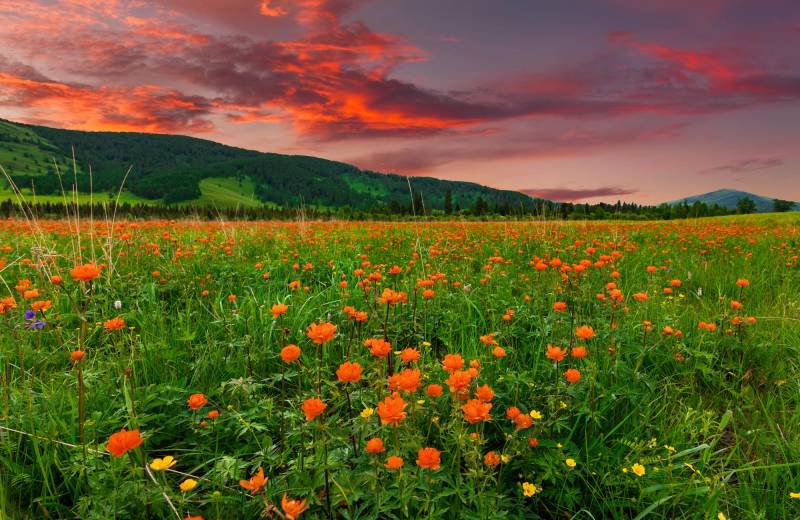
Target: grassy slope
{"type": "Point", "coordinates": [34, 155]}
{"type": "Point", "coordinates": [227, 192]}
{"type": "Point", "coordinates": [83, 198]}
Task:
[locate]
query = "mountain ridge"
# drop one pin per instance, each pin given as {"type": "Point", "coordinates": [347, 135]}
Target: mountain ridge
{"type": "Point", "coordinates": [172, 168]}
{"type": "Point", "coordinates": [729, 198]}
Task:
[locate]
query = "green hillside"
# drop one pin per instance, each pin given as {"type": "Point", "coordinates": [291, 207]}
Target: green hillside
{"type": "Point", "coordinates": [174, 169]}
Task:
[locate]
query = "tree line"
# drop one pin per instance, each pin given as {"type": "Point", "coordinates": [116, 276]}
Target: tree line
{"type": "Point", "coordinates": [480, 209]}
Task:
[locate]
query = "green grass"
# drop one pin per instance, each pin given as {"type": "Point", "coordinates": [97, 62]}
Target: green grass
{"type": "Point", "coordinates": [713, 416]}
{"type": "Point", "coordinates": [82, 198]}
{"type": "Point", "coordinates": [227, 192]}
{"type": "Point", "coordinates": [22, 151]}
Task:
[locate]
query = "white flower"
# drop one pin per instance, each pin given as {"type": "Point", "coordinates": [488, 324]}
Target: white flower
{"type": "Point", "coordinates": [117, 304]}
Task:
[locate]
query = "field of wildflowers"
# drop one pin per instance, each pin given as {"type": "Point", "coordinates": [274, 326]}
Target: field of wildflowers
{"type": "Point", "coordinates": [161, 369]}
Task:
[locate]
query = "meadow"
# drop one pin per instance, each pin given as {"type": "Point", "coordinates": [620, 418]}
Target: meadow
{"type": "Point", "coordinates": [215, 370]}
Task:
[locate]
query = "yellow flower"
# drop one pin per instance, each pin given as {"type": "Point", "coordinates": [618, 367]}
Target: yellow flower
{"type": "Point", "coordinates": [571, 463]}
{"type": "Point", "coordinates": [504, 458]}
{"type": "Point", "coordinates": [721, 516]}
{"type": "Point", "coordinates": [562, 405]}
{"type": "Point", "coordinates": [638, 469]}
{"type": "Point", "coordinates": [421, 401]}
{"type": "Point", "coordinates": [426, 343]}
{"type": "Point", "coordinates": [794, 495]}
{"type": "Point", "coordinates": [188, 485]}
{"type": "Point", "coordinates": [669, 448]}
{"type": "Point", "coordinates": [163, 464]}
{"type": "Point", "coordinates": [624, 470]}
{"type": "Point", "coordinates": [536, 415]}
{"type": "Point", "coordinates": [559, 446]}
{"type": "Point", "coordinates": [366, 413]}
{"type": "Point", "coordinates": [529, 489]}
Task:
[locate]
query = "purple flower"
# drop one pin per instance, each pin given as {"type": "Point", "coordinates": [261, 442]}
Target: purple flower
{"type": "Point", "coordinates": [37, 325]}
{"type": "Point", "coordinates": [29, 315]}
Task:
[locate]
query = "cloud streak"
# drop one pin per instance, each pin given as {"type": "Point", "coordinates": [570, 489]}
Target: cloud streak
{"type": "Point", "coordinates": [745, 165]}
{"type": "Point", "coordinates": [577, 194]}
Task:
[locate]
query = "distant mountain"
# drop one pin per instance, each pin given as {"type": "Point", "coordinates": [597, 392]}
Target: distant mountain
{"type": "Point", "coordinates": [728, 199]}
{"type": "Point", "coordinates": [180, 169]}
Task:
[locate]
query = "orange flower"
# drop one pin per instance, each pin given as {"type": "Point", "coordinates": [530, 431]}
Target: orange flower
{"type": "Point", "coordinates": [196, 401]}
{"type": "Point", "coordinates": [85, 272]}
{"type": "Point", "coordinates": [476, 411]}
{"type": "Point", "coordinates": [488, 339]}
{"type": "Point", "coordinates": [41, 305]}
{"type": "Point", "coordinates": [374, 446]}
{"type": "Point", "coordinates": [394, 462]}
{"type": "Point", "coordinates": [313, 407]}
{"type": "Point", "coordinates": [321, 333]}
{"type": "Point", "coordinates": [429, 458]}
{"type": "Point", "coordinates": [293, 508]}
{"type": "Point", "coordinates": [499, 352]}
{"type": "Point", "coordinates": [560, 306]}
{"type": "Point", "coordinates": [572, 375]}
{"type": "Point", "coordinates": [640, 296]}
{"type": "Point", "coordinates": [278, 310]}
{"type": "Point", "coordinates": [584, 332]}
{"type": "Point", "coordinates": [512, 412]}
{"type": "Point", "coordinates": [453, 362]}
{"type": "Point", "coordinates": [378, 347]}
{"type": "Point", "coordinates": [391, 297]}
{"type": "Point", "coordinates": [434, 390]}
{"type": "Point", "coordinates": [349, 372]}
{"type": "Point", "coordinates": [213, 414]}
{"type": "Point", "coordinates": [743, 282]}
{"type": "Point", "coordinates": [578, 352]}
{"type": "Point", "coordinates": [77, 355]}
{"type": "Point", "coordinates": [458, 382]}
{"type": "Point", "coordinates": [427, 294]}
{"type": "Point", "coordinates": [409, 355]}
{"type": "Point", "coordinates": [122, 441]}
{"type": "Point", "coordinates": [556, 353]}
{"type": "Point", "coordinates": [523, 421]}
{"type": "Point", "coordinates": [491, 459]}
{"type": "Point", "coordinates": [290, 353]}
{"type": "Point", "coordinates": [255, 483]}
{"type": "Point", "coordinates": [407, 380]}
{"type": "Point", "coordinates": [56, 280]}
{"type": "Point", "coordinates": [391, 410]}
{"type": "Point", "coordinates": [114, 324]}
{"type": "Point", "coordinates": [484, 393]}
{"type": "Point", "coordinates": [31, 294]}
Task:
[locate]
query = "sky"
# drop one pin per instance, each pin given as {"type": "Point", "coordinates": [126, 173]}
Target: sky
{"type": "Point", "coordinates": [586, 100]}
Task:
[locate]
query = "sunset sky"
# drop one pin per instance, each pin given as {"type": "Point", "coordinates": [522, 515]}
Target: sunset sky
{"type": "Point", "coordinates": [587, 100]}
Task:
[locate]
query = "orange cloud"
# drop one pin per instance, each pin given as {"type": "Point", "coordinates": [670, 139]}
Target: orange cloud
{"type": "Point", "coordinates": [267, 9]}
{"type": "Point", "coordinates": [144, 108]}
